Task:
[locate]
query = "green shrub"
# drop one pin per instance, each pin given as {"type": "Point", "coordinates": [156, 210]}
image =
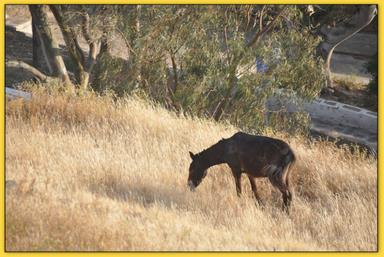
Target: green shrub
{"type": "Point", "coordinates": [372, 68]}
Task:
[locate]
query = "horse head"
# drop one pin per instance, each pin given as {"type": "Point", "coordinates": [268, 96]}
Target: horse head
{"type": "Point", "coordinates": [196, 171]}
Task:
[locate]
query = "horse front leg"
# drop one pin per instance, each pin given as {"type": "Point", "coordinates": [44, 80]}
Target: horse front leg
{"type": "Point", "coordinates": [237, 175]}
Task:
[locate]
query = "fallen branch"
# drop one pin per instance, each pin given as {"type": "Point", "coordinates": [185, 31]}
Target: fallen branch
{"type": "Point", "coordinates": [25, 66]}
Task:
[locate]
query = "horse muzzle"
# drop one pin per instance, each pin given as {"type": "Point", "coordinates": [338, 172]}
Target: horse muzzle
{"type": "Point", "coordinates": [191, 185]}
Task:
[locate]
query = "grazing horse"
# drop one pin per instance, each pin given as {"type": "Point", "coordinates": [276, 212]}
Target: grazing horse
{"type": "Point", "coordinates": [257, 156]}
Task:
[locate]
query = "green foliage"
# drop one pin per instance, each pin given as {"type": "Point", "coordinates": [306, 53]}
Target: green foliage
{"type": "Point", "coordinates": [294, 123]}
{"type": "Point", "coordinates": [198, 59]}
{"type": "Point", "coordinates": [108, 75]}
{"type": "Point", "coordinates": [372, 67]}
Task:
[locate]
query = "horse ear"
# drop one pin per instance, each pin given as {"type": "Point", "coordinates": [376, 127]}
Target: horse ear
{"type": "Point", "coordinates": [192, 155]}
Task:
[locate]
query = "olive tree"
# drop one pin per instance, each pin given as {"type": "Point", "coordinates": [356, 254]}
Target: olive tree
{"type": "Point", "coordinates": [202, 59]}
{"type": "Point", "coordinates": [87, 23]}
{"type": "Point", "coordinates": [217, 61]}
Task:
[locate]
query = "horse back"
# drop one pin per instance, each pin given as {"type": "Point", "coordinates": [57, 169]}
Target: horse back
{"type": "Point", "coordinates": [254, 154]}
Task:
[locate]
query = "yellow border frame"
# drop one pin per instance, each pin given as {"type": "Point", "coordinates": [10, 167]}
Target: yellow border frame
{"type": "Point", "coordinates": [2, 124]}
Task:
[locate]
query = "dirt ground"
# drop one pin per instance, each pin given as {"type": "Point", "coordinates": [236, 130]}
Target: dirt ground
{"type": "Point", "coordinates": [350, 93]}
{"type": "Point", "coordinates": [18, 10]}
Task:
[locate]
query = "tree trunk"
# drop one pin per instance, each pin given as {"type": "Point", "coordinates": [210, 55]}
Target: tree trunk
{"type": "Point", "coordinates": [138, 51]}
{"type": "Point", "coordinates": [49, 44]}
{"type": "Point", "coordinates": [72, 45]}
{"type": "Point", "coordinates": [37, 52]}
{"type": "Point", "coordinates": [132, 28]}
{"type": "Point", "coordinates": [337, 35]}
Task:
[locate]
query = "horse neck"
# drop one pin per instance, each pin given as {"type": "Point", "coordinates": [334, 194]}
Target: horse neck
{"type": "Point", "coordinates": [213, 155]}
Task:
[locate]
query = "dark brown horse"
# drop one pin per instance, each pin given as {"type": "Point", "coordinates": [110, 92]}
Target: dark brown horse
{"type": "Point", "coordinates": [257, 156]}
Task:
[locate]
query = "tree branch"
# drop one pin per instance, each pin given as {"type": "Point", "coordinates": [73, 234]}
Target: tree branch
{"type": "Point", "coordinates": [362, 19]}
{"type": "Point", "coordinates": [25, 66]}
{"type": "Point", "coordinates": [69, 36]}
{"type": "Point", "coordinates": [266, 29]}
{"type": "Point", "coordinates": [71, 40]}
{"type": "Point", "coordinates": [93, 46]}
{"type": "Point", "coordinates": [59, 11]}
{"type": "Point", "coordinates": [261, 18]}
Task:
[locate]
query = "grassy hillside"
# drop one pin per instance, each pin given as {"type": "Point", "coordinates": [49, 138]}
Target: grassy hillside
{"type": "Point", "coordinates": [90, 173]}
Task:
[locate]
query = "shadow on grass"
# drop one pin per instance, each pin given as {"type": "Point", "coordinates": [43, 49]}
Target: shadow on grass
{"type": "Point", "coordinates": [168, 196]}
{"type": "Point", "coordinates": [171, 196]}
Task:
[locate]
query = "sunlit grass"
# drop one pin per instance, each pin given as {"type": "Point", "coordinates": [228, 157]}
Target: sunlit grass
{"type": "Point", "coordinates": [91, 173]}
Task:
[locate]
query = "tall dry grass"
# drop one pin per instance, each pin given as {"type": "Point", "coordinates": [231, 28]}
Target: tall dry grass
{"type": "Point", "coordinates": [89, 173]}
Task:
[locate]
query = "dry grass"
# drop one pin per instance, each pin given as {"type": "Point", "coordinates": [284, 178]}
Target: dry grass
{"type": "Point", "coordinates": [87, 173]}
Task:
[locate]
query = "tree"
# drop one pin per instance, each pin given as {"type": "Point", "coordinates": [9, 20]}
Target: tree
{"type": "Point", "coordinates": [198, 59]}
{"type": "Point", "coordinates": [209, 55]}
{"type": "Point", "coordinates": [37, 53]}
{"type": "Point", "coordinates": [48, 46]}
{"type": "Point", "coordinates": [74, 22]}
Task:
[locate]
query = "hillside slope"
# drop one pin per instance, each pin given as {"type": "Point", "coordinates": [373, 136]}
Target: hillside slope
{"type": "Point", "coordinates": [89, 173]}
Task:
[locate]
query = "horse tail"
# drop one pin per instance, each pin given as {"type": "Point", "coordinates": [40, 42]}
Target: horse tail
{"type": "Point", "coordinates": [287, 162]}
{"type": "Point", "coordinates": [279, 173]}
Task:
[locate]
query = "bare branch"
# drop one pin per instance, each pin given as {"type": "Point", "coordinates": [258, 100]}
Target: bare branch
{"type": "Point", "coordinates": [261, 18]}
{"type": "Point", "coordinates": [218, 112]}
{"type": "Point", "coordinates": [85, 27]}
{"type": "Point", "coordinates": [25, 66]}
{"type": "Point", "coordinates": [361, 19]}
{"type": "Point", "coordinates": [249, 10]}
{"type": "Point", "coordinates": [94, 47]}
{"type": "Point", "coordinates": [94, 50]}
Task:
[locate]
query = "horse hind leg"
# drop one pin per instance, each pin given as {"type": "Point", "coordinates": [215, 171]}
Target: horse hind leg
{"type": "Point", "coordinates": [279, 180]}
{"type": "Point", "coordinates": [254, 190]}
{"type": "Point", "coordinates": [287, 199]}
{"type": "Point", "coordinates": [286, 180]}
